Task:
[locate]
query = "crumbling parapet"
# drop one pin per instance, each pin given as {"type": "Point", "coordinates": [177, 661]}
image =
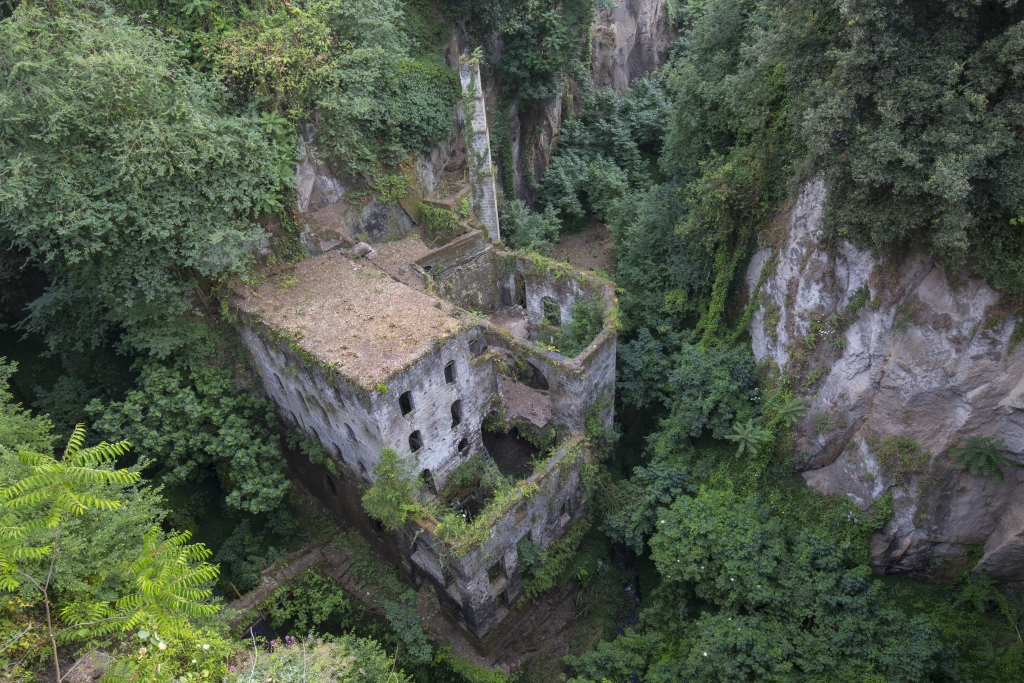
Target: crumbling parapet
{"type": "Point", "coordinates": [481, 171]}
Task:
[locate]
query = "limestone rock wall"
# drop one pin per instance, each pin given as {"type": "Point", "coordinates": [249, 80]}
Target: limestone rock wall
{"type": "Point", "coordinates": [928, 355]}
{"type": "Point", "coordinates": [629, 41]}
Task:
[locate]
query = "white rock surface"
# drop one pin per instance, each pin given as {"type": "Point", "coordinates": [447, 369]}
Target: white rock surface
{"type": "Point", "coordinates": [943, 373]}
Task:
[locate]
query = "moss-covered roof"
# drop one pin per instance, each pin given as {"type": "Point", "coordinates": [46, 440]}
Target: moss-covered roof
{"type": "Point", "coordinates": [353, 316]}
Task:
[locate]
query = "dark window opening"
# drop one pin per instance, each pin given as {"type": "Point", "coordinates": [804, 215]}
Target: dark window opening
{"type": "Point", "coordinates": [563, 510]}
{"type": "Point", "coordinates": [351, 434]}
{"type": "Point", "coordinates": [330, 485]}
{"type": "Point", "coordinates": [464, 447]}
{"type": "Point", "coordinates": [426, 269]}
{"type": "Point", "coordinates": [477, 346]}
{"type": "Point", "coordinates": [494, 572]}
{"type": "Point", "coordinates": [456, 414]}
{"type": "Point", "coordinates": [506, 295]}
{"type": "Point", "coordinates": [552, 311]}
{"type": "Point", "coordinates": [415, 442]}
{"type": "Point", "coordinates": [428, 480]}
{"type": "Point", "coordinates": [449, 372]}
{"type": "Point", "coordinates": [405, 402]}
{"type": "Point", "coordinates": [536, 378]}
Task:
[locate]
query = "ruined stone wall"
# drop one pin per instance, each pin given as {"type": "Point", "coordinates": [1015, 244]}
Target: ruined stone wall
{"type": "Point", "coordinates": [432, 398]}
{"type": "Point", "coordinates": [464, 584]}
{"type": "Point", "coordinates": [311, 401]}
{"type": "Point", "coordinates": [540, 283]}
{"type": "Point", "coordinates": [481, 172]}
{"type": "Point", "coordinates": [468, 273]}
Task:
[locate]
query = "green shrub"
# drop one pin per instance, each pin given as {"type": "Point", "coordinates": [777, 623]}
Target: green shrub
{"type": "Point", "coordinates": [305, 603]}
{"type": "Point", "coordinates": [982, 456]}
{"type": "Point", "coordinates": [389, 499]}
{"type": "Point", "coordinates": [333, 659]}
{"type": "Point", "coordinates": [899, 456]}
{"type": "Point", "coordinates": [586, 323]}
{"type": "Point", "coordinates": [439, 222]}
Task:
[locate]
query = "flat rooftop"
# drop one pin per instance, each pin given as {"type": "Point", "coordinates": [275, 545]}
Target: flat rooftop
{"type": "Point", "coordinates": [353, 315]}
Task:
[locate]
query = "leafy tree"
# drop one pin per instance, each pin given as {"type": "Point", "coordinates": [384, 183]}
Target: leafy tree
{"type": "Point", "coordinates": [54, 490]}
{"type": "Point", "coordinates": [982, 456]}
{"type": "Point", "coordinates": [123, 176]}
{"type": "Point", "coordinates": [749, 437]}
{"type": "Point", "coordinates": [389, 499]}
{"type": "Point", "coordinates": [193, 421]}
{"type": "Point", "coordinates": [546, 42]}
{"type": "Point", "coordinates": [523, 228]}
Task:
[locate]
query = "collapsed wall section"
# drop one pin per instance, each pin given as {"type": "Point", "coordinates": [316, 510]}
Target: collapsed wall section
{"type": "Point", "coordinates": [478, 581]}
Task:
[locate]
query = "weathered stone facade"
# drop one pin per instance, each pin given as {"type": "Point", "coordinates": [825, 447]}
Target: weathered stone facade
{"type": "Point", "coordinates": [376, 352]}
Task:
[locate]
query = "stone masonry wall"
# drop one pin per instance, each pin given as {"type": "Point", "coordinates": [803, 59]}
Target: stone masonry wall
{"type": "Point", "coordinates": [485, 200]}
{"type": "Point", "coordinates": [464, 584]}
{"type": "Point", "coordinates": [307, 399]}
{"type": "Point", "coordinates": [432, 399]}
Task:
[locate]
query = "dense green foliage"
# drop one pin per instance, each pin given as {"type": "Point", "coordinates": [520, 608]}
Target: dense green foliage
{"type": "Point", "coordinates": [331, 660]}
{"type": "Point", "coordinates": [121, 176]}
{"type": "Point", "coordinates": [190, 424]}
{"type": "Point", "coordinates": [760, 578]}
{"type": "Point", "coordinates": [389, 499]}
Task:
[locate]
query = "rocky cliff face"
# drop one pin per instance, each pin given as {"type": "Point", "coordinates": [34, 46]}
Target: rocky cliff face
{"type": "Point", "coordinates": [628, 42]}
{"type": "Point", "coordinates": [889, 349]}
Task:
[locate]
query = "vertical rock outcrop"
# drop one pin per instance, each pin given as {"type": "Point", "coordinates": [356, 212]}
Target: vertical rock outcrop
{"type": "Point", "coordinates": [896, 348]}
{"type": "Point", "coordinates": [629, 41]}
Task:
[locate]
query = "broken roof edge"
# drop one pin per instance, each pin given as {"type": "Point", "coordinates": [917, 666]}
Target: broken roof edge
{"type": "Point", "coordinates": [332, 370]}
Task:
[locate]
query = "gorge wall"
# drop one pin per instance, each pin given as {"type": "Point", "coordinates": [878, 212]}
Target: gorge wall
{"type": "Point", "coordinates": [896, 348]}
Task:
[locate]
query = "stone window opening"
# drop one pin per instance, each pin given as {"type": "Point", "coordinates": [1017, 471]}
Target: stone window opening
{"type": "Point", "coordinates": [456, 414]}
{"type": "Point", "coordinates": [330, 485]}
{"type": "Point", "coordinates": [428, 480]}
{"type": "Point", "coordinates": [405, 403]}
{"type": "Point", "coordinates": [449, 372]}
{"type": "Point", "coordinates": [494, 572]}
{"type": "Point", "coordinates": [552, 311]}
{"type": "Point", "coordinates": [351, 434]}
{"type": "Point", "coordinates": [464, 447]}
{"type": "Point", "coordinates": [478, 346]}
{"type": "Point", "coordinates": [415, 442]}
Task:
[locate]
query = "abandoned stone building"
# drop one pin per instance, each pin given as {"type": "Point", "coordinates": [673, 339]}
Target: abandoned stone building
{"type": "Point", "coordinates": [481, 367]}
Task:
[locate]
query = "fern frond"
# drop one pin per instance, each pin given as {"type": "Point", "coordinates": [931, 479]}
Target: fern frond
{"type": "Point", "coordinates": [76, 440]}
